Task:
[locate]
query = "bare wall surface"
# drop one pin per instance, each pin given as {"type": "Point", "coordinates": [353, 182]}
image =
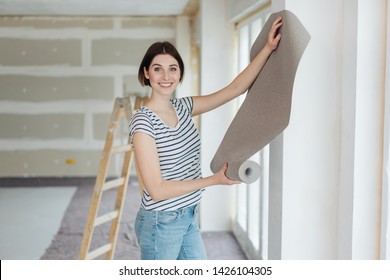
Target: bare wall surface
{"type": "Point", "coordinates": [59, 77]}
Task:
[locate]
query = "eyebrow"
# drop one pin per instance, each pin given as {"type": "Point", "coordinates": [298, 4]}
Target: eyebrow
{"type": "Point", "coordinates": [156, 64]}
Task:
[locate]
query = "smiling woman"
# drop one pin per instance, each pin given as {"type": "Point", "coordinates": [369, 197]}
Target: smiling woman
{"type": "Point", "coordinates": [167, 151]}
{"type": "Point", "coordinates": [161, 54]}
{"type": "Point", "coordinates": [164, 73]}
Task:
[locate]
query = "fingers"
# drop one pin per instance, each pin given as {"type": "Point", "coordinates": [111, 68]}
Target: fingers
{"type": "Point", "coordinates": [273, 37]}
{"type": "Point", "coordinates": [228, 181]}
{"type": "Point", "coordinates": [277, 39]}
{"type": "Point", "coordinates": [233, 182]}
{"type": "Point", "coordinates": [277, 23]}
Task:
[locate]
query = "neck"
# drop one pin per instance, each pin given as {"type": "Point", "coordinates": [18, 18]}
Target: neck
{"type": "Point", "coordinates": [159, 103]}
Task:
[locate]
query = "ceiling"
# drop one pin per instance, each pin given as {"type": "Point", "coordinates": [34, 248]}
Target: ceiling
{"type": "Point", "coordinates": [98, 7]}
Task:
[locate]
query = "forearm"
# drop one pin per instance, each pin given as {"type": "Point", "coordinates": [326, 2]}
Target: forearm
{"type": "Point", "coordinates": [246, 78]}
{"type": "Point", "coordinates": [167, 189]}
{"type": "Point", "coordinates": [148, 166]}
{"type": "Point", "coordinates": [237, 87]}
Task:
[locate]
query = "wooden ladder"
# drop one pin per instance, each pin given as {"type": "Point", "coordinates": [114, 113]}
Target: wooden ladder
{"type": "Point", "coordinates": [122, 109]}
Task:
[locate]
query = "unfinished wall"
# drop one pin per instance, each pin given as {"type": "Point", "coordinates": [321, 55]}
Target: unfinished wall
{"type": "Point", "coordinates": [59, 77]}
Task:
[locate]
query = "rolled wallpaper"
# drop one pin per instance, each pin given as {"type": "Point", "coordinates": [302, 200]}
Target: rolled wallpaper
{"type": "Point", "coordinates": [265, 112]}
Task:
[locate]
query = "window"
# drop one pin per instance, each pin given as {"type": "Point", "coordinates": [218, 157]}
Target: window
{"type": "Point", "coordinates": [250, 224]}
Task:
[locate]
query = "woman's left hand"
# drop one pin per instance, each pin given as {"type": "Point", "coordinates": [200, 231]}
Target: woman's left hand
{"type": "Point", "coordinates": [273, 36]}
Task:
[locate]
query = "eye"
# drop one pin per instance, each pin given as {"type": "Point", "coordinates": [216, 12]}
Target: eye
{"type": "Point", "coordinates": [173, 69]}
{"type": "Point", "coordinates": [157, 69]}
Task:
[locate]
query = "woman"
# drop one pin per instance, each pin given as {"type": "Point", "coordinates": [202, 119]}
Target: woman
{"type": "Point", "coordinates": [167, 151]}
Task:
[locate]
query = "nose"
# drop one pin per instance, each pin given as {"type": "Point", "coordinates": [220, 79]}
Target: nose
{"type": "Point", "coordinates": [166, 75]}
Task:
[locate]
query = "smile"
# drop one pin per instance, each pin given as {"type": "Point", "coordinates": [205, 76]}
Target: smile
{"type": "Point", "coordinates": [165, 84]}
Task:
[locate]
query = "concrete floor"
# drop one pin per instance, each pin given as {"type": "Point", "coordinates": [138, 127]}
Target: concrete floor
{"type": "Point", "coordinates": [30, 218]}
{"type": "Point", "coordinates": [32, 211]}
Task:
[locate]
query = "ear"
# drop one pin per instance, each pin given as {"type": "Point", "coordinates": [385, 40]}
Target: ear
{"type": "Point", "coordinates": [146, 73]}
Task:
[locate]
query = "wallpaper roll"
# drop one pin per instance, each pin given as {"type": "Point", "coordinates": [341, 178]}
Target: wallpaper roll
{"type": "Point", "coordinates": [247, 171]}
{"type": "Point", "coordinates": [265, 112]}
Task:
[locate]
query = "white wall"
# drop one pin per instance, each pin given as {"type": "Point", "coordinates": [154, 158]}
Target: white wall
{"type": "Point", "coordinates": [326, 169]}
{"type": "Point", "coordinates": [311, 142]}
{"type": "Point", "coordinates": [217, 69]}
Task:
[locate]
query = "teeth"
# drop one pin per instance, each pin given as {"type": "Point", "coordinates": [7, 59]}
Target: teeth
{"type": "Point", "coordinates": [166, 85]}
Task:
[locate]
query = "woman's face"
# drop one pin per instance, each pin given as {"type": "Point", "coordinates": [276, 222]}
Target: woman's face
{"type": "Point", "coordinates": [163, 74]}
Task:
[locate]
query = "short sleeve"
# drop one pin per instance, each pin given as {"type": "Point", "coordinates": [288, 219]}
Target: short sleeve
{"type": "Point", "coordinates": [187, 102]}
{"type": "Point", "coordinates": [140, 122]}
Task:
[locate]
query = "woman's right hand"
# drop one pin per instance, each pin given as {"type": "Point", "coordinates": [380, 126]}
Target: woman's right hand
{"type": "Point", "coordinates": [222, 179]}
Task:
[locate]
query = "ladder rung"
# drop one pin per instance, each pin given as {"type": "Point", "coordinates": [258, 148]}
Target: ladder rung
{"type": "Point", "coordinates": [121, 149]}
{"type": "Point", "coordinates": [99, 251]}
{"type": "Point", "coordinates": [105, 218]}
{"type": "Point", "coordinates": [113, 184]}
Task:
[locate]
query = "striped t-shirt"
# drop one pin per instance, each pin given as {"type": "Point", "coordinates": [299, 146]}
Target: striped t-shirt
{"type": "Point", "coordinates": [178, 150]}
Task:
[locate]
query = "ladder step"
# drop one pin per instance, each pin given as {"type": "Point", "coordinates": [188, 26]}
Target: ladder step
{"type": "Point", "coordinates": [105, 218]}
{"type": "Point", "coordinates": [121, 149]}
{"type": "Point", "coordinates": [113, 184]}
{"type": "Point", "coordinates": [99, 251]}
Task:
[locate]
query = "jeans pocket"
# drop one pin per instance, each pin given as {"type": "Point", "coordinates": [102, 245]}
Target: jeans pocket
{"type": "Point", "coordinates": [166, 217]}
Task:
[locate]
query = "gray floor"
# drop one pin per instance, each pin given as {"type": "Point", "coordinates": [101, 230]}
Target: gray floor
{"type": "Point", "coordinates": [44, 218]}
{"type": "Point", "coordinates": [30, 218]}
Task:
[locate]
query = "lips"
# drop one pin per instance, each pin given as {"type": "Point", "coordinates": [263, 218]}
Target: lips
{"type": "Point", "coordinates": [166, 84]}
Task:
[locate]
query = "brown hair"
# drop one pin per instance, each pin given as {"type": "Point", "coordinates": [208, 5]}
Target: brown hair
{"type": "Point", "coordinates": [154, 50]}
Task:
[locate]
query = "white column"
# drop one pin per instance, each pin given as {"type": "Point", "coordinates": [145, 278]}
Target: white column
{"type": "Point", "coordinates": [183, 45]}
{"type": "Point", "coordinates": [370, 84]}
{"type": "Point", "coordinates": [304, 182]}
{"type": "Point", "coordinates": [347, 122]}
{"type": "Point", "coordinates": [385, 233]}
{"type": "Point", "coordinates": [275, 206]}
{"type": "Point", "coordinates": [217, 70]}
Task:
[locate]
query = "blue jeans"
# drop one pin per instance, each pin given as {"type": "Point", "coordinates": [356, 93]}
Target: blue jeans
{"type": "Point", "coordinates": [170, 235]}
